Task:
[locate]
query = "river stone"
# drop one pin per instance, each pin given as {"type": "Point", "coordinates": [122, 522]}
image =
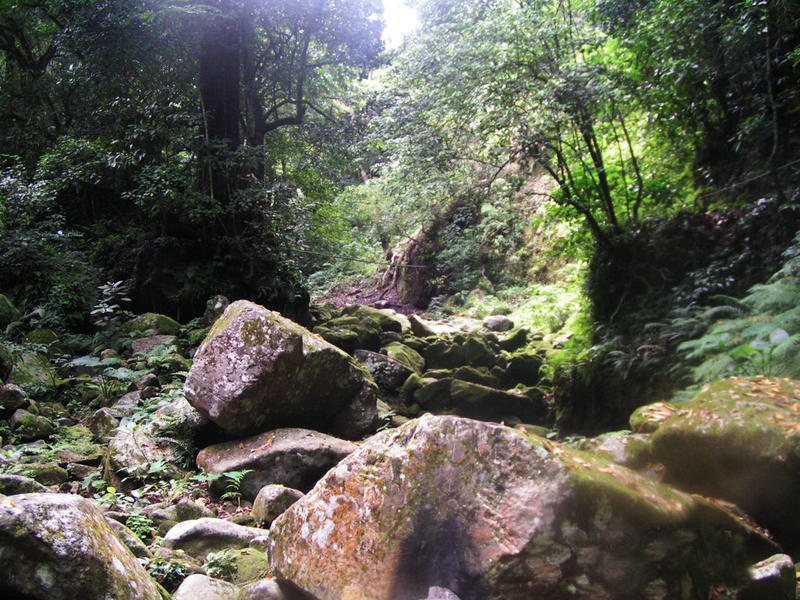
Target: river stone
{"type": "Point", "coordinates": [489, 512]}
{"type": "Point", "coordinates": [739, 440]}
{"type": "Point", "coordinates": [135, 448]}
{"type": "Point", "coordinates": [387, 373]}
{"type": "Point", "coordinates": [145, 345]}
{"type": "Point", "coordinates": [12, 397]}
{"type": "Point", "coordinates": [481, 402]}
{"type": "Point", "coordinates": [29, 427]}
{"type": "Point", "coordinates": [772, 578]}
{"type": "Point", "coordinates": [59, 546]}
{"type": "Point", "coordinates": [296, 458]}
{"type": "Point", "coordinates": [386, 320]}
{"type": "Point", "coordinates": [257, 370]}
{"type": "Point", "coordinates": [202, 587]}
{"type": "Point", "coordinates": [272, 501]}
{"type": "Point", "coordinates": [405, 355]}
{"type": "Point", "coordinates": [102, 423]}
{"type": "Point", "coordinates": [272, 589]}
{"type": "Point", "coordinates": [154, 323]}
{"type": "Point", "coordinates": [498, 323]}
{"type": "Point", "coordinates": [201, 536]}
{"type": "Point", "coordinates": [19, 484]}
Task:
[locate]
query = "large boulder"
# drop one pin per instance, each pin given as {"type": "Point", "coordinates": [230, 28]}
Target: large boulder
{"type": "Point", "coordinates": [296, 458]}
{"type": "Point", "coordinates": [257, 370]}
{"type": "Point", "coordinates": [738, 439]}
{"type": "Point", "coordinates": [489, 512]}
{"type": "Point", "coordinates": [153, 449]}
{"type": "Point", "coordinates": [154, 323]}
{"type": "Point", "coordinates": [58, 546]}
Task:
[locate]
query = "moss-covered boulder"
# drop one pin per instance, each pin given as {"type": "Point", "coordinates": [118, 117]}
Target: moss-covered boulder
{"type": "Point", "coordinates": [523, 367]}
{"type": "Point", "coordinates": [34, 370]}
{"type": "Point", "coordinates": [60, 547]}
{"type": "Point", "coordinates": [350, 333]}
{"type": "Point", "coordinates": [388, 373]}
{"type": "Point", "coordinates": [8, 312]}
{"type": "Point", "coordinates": [514, 339]}
{"type": "Point", "coordinates": [489, 512]}
{"type": "Point", "coordinates": [153, 324]}
{"type": "Point", "coordinates": [257, 370]}
{"type": "Point", "coordinates": [405, 355]}
{"type": "Point", "coordinates": [738, 439]}
{"type": "Point", "coordinates": [442, 353]}
{"type": "Point", "coordinates": [385, 319]}
{"type": "Point", "coordinates": [478, 401]}
{"type": "Point", "coordinates": [29, 427]}
{"type": "Point", "coordinates": [161, 440]}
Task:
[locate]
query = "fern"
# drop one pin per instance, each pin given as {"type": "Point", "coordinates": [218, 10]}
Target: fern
{"type": "Point", "coordinates": [759, 334]}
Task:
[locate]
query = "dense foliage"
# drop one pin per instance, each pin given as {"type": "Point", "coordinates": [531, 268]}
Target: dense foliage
{"type": "Point", "coordinates": [189, 146]}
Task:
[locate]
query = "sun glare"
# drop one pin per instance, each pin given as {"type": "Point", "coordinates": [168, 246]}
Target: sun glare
{"type": "Point", "coordinates": [400, 20]}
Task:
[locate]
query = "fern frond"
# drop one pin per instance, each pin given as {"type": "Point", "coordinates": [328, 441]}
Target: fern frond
{"type": "Point", "coordinates": [716, 367]}
{"type": "Point", "coordinates": [715, 313]}
{"type": "Point", "coordinates": [774, 297]}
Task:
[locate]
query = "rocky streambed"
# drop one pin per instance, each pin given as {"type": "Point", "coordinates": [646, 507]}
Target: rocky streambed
{"type": "Point", "coordinates": [385, 457]}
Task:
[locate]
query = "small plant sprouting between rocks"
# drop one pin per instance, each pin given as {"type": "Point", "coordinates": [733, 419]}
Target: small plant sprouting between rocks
{"type": "Point", "coordinates": [221, 565]}
{"type": "Point", "coordinates": [233, 487]}
{"type": "Point", "coordinates": [108, 310]}
{"type": "Point", "coordinates": [142, 526]}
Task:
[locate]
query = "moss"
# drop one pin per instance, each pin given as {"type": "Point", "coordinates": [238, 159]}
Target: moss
{"type": "Point", "coordinates": [228, 317]}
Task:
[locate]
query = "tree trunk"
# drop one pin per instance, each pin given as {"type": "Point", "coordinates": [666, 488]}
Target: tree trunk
{"type": "Point", "coordinates": [219, 95]}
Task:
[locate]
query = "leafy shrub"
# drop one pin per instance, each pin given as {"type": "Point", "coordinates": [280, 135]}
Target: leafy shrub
{"type": "Point", "coordinates": [759, 334]}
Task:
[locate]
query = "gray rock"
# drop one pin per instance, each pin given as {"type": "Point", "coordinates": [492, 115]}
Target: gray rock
{"type": "Point", "coordinates": [487, 511]}
{"type": "Point", "coordinates": [154, 323]}
{"type": "Point", "coordinates": [12, 397]}
{"type": "Point", "coordinates": [103, 424]}
{"type": "Point", "coordinates": [772, 578]}
{"type": "Point", "coordinates": [201, 536]}
{"type": "Point", "coordinates": [135, 448]}
{"type": "Point", "coordinates": [387, 373]}
{"type": "Point", "coordinates": [498, 323]}
{"type": "Point", "coordinates": [19, 484]}
{"type": "Point", "coordinates": [296, 458]}
{"type": "Point", "coordinates": [202, 587]}
{"type": "Point", "coordinates": [126, 405]}
{"type": "Point", "coordinates": [30, 427]}
{"type": "Point", "coordinates": [148, 380]}
{"type": "Point", "coordinates": [146, 345]}
{"type": "Point", "coordinates": [186, 510]}
{"type": "Point", "coordinates": [60, 547]}
{"type": "Point", "coordinates": [257, 370]}
{"type": "Point", "coordinates": [272, 501]}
